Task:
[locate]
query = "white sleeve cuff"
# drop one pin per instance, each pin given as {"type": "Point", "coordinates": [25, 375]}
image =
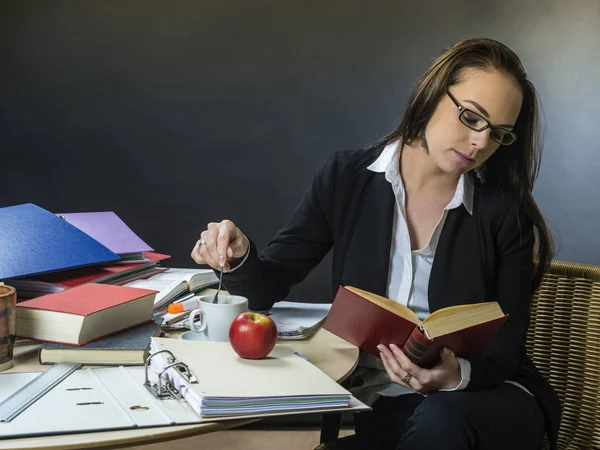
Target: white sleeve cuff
{"type": "Point", "coordinates": [465, 374]}
{"type": "Point", "coordinates": [243, 260]}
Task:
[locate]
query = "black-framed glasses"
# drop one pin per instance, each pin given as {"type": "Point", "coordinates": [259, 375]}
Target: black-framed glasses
{"type": "Point", "coordinates": [477, 122]}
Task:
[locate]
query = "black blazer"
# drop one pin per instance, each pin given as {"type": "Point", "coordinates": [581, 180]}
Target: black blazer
{"type": "Point", "coordinates": [486, 256]}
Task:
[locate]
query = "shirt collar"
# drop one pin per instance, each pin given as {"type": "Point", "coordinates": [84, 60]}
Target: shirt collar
{"type": "Point", "coordinates": [388, 163]}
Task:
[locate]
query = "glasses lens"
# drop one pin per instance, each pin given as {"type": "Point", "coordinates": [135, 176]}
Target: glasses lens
{"type": "Point", "coordinates": [473, 120]}
{"type": "Point", "coordinates": [502, 136]}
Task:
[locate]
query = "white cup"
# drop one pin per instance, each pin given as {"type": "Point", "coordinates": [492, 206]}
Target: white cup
{"type": "Point", "coordinates": [211, 321]}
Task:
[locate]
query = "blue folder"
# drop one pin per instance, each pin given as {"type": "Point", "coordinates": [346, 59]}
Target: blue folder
{"type": "Point", "coordinates": [35, 241]}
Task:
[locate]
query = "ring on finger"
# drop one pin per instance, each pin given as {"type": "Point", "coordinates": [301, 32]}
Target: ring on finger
{"type": "Point", "coordinates": [201, 242]}
{"type": "Point", "coordinates": [406, 378]}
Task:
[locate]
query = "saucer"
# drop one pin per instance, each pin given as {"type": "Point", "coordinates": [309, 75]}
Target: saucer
{"type": "Point", "coordinates": [193, 336]}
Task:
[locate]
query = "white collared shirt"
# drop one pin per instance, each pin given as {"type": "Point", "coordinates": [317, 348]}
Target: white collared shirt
{"type": "Point", "coordinates": [409, 270]}
{"type": "Point", "coordinates": [408, 275]}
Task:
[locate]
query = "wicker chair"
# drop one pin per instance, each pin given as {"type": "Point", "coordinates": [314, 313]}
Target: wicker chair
{"type": "Point", "coordinates": [564, 343]}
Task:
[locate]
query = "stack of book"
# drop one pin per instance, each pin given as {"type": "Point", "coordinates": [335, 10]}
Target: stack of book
{"type": "Point", "coordinates": [87, 284]}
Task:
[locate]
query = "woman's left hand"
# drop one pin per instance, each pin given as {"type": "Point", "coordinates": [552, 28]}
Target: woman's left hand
{"type": "Point", "coordinates": [444, 375]}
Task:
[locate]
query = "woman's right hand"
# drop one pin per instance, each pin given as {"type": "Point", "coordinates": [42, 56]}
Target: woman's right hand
{"type": "Point", "coordinates": [221, 244]}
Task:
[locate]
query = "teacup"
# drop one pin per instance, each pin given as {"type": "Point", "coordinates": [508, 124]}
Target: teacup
{"type": "Point", "coordinates": [211, 321]}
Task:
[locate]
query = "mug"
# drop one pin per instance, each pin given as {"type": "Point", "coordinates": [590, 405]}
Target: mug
{"type": "Point", "coordinates": [8, 307]}
{"type": "Point", "coordinates": [211, 321]}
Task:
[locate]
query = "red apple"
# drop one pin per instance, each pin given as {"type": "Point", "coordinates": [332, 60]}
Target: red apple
{"type": "Point", "coordinates": [252, 335]}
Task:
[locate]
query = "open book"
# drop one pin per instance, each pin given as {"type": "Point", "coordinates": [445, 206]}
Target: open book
{"type": "Point", "coordinates": [175, 282]}
{"type": "Point", "coordinates": [367, 320]}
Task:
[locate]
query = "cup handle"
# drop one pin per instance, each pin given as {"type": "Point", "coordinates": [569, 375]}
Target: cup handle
{"type": "Point", "coordinates": [193, 325]}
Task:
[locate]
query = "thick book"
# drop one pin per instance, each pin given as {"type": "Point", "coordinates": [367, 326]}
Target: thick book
{"type": "Point", "coordinates": [127, 348]}
{"type": "Point", "coordinates": [367, 320]}
{"type": "Point", "coordinates": [35, 241]}
{"type": "Point", "coordinates": [108, 228]}
{"type": "Point", "coordinates": [84, 313]}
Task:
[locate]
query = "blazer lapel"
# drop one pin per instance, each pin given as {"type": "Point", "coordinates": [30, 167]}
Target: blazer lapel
{"type": "Point", "coordinates": [366, 264]}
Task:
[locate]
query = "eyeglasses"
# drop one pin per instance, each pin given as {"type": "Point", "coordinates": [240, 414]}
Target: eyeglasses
{"type": "Point", "coordinates": [476, 122]}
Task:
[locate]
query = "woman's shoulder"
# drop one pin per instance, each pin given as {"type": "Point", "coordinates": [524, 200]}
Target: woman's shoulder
{"type": "Point", "coordinates": [496, 204]}
{"type": "Point", "coordinates": [350, 161]}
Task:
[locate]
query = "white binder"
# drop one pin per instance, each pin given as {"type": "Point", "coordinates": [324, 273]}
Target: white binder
{"type": "Point", "coordinates": [115, 398]}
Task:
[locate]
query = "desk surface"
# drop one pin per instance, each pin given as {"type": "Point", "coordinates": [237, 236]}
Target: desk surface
{"type": "Point", "coordinates": [334, 356]}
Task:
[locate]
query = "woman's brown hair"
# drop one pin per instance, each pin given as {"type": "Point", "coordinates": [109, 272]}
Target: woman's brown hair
{"type": "Point", "coordinates": [513, 169]}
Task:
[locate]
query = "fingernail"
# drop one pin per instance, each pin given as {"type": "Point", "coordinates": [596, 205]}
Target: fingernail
{"type": "Point", "coordinates": [381, 355]}
{"type": "Point", "coordinates": [394, 346]}
{"type": "Point", "coordinates": [380, 347]}
{"type": "Point", "coordinates": [221, 260]}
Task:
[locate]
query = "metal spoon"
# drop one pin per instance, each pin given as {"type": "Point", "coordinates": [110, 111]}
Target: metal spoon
{"type": "Point", "coordinates": [216, 299]}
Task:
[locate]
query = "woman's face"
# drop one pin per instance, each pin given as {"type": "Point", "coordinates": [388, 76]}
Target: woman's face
{"type": "Point", "coordinates": [453, 146]}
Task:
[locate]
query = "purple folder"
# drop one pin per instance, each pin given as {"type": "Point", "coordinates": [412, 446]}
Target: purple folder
{"type": "Point", "coordinates": [108, 229]}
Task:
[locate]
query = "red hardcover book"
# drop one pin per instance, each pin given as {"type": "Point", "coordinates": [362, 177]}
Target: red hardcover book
{"type": "Point", "coordinates": [367, 320]}
{"type": "Point", "coordinates": [84, 313]}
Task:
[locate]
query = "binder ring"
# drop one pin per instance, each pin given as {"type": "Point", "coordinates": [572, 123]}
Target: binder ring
{"type": "Point", "coordinates": [160, 390]}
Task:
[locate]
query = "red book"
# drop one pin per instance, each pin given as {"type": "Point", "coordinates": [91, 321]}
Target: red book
{"type": "Point", "coordinates": [84, 313]}
{"type": "Point", "coordinates": [118, 274]}
{"type": "Point", "coordinates": [101, 273]}
{"type": "Point", "coordinates": [367, 320]}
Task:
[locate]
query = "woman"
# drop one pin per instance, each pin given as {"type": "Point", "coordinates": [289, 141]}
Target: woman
{"type": "Point", "coordinates": [438, 213]}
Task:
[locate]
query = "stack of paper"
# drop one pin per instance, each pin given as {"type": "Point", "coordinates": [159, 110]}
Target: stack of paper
{"type": "Point", "coordinates": [298, 320]}
{"type": "Point", "coordinates": [229, 386]}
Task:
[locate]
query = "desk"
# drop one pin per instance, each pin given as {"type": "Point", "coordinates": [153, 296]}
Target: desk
{"type": "Point", "coordinates": [332, 355]}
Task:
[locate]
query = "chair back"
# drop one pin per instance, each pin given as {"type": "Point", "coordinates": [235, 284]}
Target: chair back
{"type": "Point", "coordinates": [564, 343]}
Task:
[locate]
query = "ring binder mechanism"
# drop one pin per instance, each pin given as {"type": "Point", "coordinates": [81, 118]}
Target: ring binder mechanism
{"type": "Point", "coordinates": [168, 389]}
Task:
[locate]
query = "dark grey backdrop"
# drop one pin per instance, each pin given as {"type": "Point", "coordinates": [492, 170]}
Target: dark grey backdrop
{"type": "Point", "coordinates": [176, 113]}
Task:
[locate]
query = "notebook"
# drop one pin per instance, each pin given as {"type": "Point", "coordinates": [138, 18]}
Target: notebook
{"type": "Point", "coordinates": [35, 241]}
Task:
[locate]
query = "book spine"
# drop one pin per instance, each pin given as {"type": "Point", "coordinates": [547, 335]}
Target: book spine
{"type": "Point", "coordinates": [416, 345]}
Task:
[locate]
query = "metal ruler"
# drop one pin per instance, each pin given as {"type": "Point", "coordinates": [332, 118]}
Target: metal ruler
{"type": "Point", "coordinates": [35, 389]}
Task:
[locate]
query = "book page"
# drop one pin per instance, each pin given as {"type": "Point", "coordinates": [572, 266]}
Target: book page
{"type": "Point", "coordinates": [181, 274]}
{"type": "Point", "coordinates": [453, 318]}
{"type": "Point", "coordinates": [195, 278]}
{"type": "Point", "coordinates": [166, 287]}
{"type": "Point", "coordinates": [386, 303]}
